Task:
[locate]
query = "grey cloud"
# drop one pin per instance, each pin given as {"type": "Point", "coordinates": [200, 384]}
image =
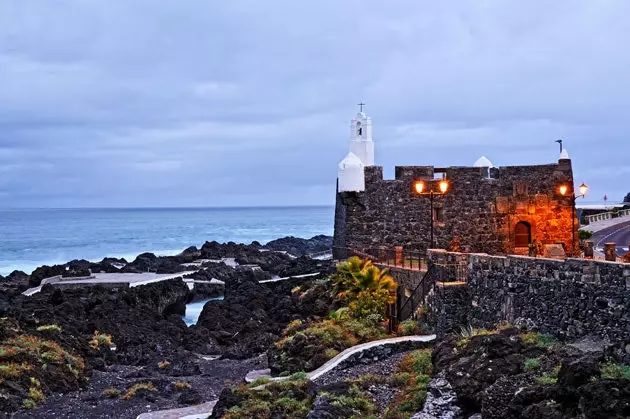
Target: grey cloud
{"type": "Point", "coordinates": [141, 103]}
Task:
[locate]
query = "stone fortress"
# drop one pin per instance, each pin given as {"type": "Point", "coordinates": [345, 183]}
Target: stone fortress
{"type": "Point", "coordinates": [486, 209]}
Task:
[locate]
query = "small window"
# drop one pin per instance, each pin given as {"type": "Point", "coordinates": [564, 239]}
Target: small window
{"type": "Point", "coordinates": [522, 234]}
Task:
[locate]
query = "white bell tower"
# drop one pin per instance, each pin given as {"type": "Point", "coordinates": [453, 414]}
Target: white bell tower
{"type": "Point", "coordinates": [361, 143]}
{"type": "Point", "coordinates": [351, 176]}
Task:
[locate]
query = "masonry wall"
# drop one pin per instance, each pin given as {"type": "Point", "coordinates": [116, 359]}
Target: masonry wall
{"type": "Point", "coordinates": [570, 299]}
{"type": "Point", "coordinates": [480, 208]}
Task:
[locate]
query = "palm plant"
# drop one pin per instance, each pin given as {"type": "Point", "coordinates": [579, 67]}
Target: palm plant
{"type": "Point", "coordinates": [347, 272]}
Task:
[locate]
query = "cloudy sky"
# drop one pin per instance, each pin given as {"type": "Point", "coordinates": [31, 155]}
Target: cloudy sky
{"type": "Point", "coordinates": [219, 103]}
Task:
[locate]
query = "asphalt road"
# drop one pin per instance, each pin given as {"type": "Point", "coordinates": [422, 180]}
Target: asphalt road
{"type": "Point", "coordinates": [619, 234]}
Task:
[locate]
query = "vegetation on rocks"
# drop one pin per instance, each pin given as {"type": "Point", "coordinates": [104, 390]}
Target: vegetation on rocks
{"type": "Point", "coordinates": [31, 366]}
{"type": "Point", "coordinates": [100, 340]}
{"type": "Point", "coordinates": [139, 389]}
{"type": "Point", "coordinates": [412, 377]}
{"type": "Point", "coordinates": [364, 291]}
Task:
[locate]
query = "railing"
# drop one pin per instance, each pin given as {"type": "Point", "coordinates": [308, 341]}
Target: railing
{"type": "Point", "coordinates": [607, 215]}
{"type": "Point", "coordinates": [396, 257]}
{"type": "Point", "coordinates": [410, 307]}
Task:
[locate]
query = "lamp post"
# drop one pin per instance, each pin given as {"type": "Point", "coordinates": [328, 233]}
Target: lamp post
{"type": "Point", "coordinates": [419, 189]}
{"type": "Point", "coordinates": [563, 189]}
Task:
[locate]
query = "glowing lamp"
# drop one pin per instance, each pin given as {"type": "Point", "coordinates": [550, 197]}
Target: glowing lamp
{"type": "Point", "coordinates": [563, 189]}
{"type": "Point", "coordinates": [583, 189]}
{"type": "Point", "coordinates": [419, 186]}
{"type": "Point", "coordinates": [443, 185]}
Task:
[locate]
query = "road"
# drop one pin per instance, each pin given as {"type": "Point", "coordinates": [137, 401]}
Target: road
{"type": "Point", "coordinates": [619, 234]}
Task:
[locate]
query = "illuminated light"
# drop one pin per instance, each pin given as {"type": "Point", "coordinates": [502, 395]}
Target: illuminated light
{"type": "Point", "coordinates": [419, 186]}
{"type": "Point", "coordinates": [583, 189]}
{"type": "Point", "coordinates": [443, 186]}
{"type": "Point", "coordinates": [563, 189]}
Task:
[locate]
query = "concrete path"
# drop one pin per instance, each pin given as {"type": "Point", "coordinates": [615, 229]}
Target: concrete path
{"type": "Point", "coordinates": [288, 277]}
{"type": "Point", "coordinates": [334, 363]}
{"type": "Point", "coordinates": [201, 411]}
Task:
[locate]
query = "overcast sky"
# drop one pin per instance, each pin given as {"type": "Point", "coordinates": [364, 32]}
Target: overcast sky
{"type": "Point", "coordinates": [218, 103]}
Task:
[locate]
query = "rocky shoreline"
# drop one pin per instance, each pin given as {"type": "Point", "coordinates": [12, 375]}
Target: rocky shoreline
{"type": "Point", "coordinates": [143, 340]}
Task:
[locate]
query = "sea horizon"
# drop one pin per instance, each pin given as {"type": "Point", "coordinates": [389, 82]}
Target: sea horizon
{"type": "Point", "coordinates": [47, 236]}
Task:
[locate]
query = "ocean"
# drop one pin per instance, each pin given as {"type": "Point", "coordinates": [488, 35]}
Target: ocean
{"type": "Point", "coordinates": [33, 237]}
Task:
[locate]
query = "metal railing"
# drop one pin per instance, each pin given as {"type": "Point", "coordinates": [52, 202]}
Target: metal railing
{"type": "Point", "coordinates": [417, 298]}
{"type": "Point", "coordinates": [397, 257]}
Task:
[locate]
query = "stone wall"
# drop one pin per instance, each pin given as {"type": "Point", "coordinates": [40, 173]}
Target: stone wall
{"type": "Point", "coordinates": [481, 208]}
{"type": "Point", "coordinates": [570, 299]}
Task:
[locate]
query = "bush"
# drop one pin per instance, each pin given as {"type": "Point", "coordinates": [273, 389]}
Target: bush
{"type": "Point", "coordinates": [111, 392]}
{"type": "Point", "coordinates": [413, 375]}
{"type": "Point", "coordinates": [551, 377]}
{"type": "Point", "coordinates": [164, 364]}
{"type": "Point", "coordinates": [409, 328]}
{"type": "Point", "coordinates": [364, 288]}
{"type": "Point", "coordinates": [100, 340]}
{"type": "Point", "coordinates": [139, 387]}
{"type": "Point", "coordinates": [182, 385]}
{"type": "Point", "coordinates": [612, 371]}
{"type": "Point", "coordinates": [49, 328]}
{"type": "Point", "coordinates": [532, 364]}
{"type": "Point", "coordinates": [538, 339]}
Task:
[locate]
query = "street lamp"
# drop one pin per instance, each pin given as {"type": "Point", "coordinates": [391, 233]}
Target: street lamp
{"type": "Point", "coordinates": [419, 188]}
{"type": "Point", "coordinates": [563, 189]}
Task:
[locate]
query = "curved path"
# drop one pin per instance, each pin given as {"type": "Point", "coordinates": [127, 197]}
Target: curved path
{"type": "Point", "coordinates": [618, 233]}
{"type": "Point", "coordinates": [205, 410]}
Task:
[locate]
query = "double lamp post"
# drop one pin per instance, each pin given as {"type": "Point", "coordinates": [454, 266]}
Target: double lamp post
{"type": "Point", "coordinates": [419, 188]}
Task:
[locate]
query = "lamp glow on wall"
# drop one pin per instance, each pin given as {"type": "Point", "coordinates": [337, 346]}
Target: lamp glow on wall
{"type": "Point", "coordinates": [419, 188]}
{"type": "Point", "coordinates": [563, 189]}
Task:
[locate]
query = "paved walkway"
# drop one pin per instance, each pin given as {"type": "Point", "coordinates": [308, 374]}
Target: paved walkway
{"type": "Point", "coordinates": [201, 411]}
{"type": "Point", "coordinates": [288, 277]}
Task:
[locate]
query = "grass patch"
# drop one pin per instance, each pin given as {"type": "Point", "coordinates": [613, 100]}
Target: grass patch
{"type": "Point", "coordinates": [282, 399]}
{"type": "Point", "coordinates": [182, 385]}
{"type": "Point", "coordinates": [540, 340]}
{"type": "Point", "coordinates": [612, 371]}
{"type": "Point", "coordinates": [259, 382]}
{"type": "Point", "coordinates": [412, 375]}
{"type": "Point", "coordinates": [100, 340]}
{"type": "Point", "coordinates": [111, 393]}
{"type": "Point", "coordinates": [50, 328]}
{"type": "Point", "coordinates": [531, 364]}
{"type": "Point", "coordinates": [139, 387]}
{"type": "Point", "coordinates": [549, 378]}
{"type": "Point", "coordinates": [356, 402]}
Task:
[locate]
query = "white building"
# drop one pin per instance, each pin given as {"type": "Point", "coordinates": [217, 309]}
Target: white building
{"type": "Point", "coordinates": [351, 177]}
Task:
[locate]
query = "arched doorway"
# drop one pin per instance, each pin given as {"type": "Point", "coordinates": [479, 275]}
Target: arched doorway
{"type": "Point", "coordinates": [522, 234]}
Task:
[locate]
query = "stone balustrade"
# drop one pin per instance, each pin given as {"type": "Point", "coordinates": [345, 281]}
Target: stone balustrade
{"type": "Point", "coordinates": [607, 216]}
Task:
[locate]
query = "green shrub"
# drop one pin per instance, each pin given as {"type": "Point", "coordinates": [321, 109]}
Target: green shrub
{"type": "Point", "coordinates": [413, 375]}
{"type": "Point", "coordinates": [49, 328]}
{"type": "Point", "coordinates": [532, 364]}
{"type": "Point", "coordinates": [409, 328]}
{"type": "Point", "coordinates": [111, 392]}
{"type": "Point", "coordinates": [331, 353]}
{"type": "Point", "coordinates": [538, 339]}
{"type": "Point", "coordinates": [358, 402]}
{"type": "Point", "coordinates": [182, 385]}
{"type": "Point", "coordinates": [551, 377]}
{"type": "Point", "coordinates": [612, 371]}
{"type": "Point", "coordinates": [133, 391]}
{"type": "Point", "coordinates": [100, 340]}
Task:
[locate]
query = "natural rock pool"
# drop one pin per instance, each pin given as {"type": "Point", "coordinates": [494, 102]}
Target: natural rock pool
{"type": "Point", "coordinates": [193, 310]}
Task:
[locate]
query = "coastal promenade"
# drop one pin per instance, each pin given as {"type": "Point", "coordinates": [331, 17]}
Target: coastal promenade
{"type": "Point", "coordinates": [108, 279]}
